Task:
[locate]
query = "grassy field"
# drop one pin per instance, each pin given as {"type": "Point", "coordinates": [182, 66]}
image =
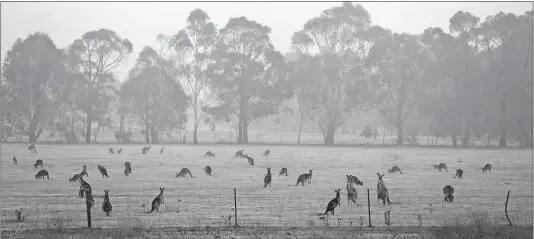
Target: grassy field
{"type": "Point", "coordinates": [206, 200]}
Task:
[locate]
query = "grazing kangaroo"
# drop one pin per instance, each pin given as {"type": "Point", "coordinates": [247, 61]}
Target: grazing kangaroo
{"type": "Point", "coordinates": [110, 151]}
{"type": "Point", "coordinates": [209, 154]}
{"type": "Point", "coordinates": [157, 201]}
{"type": "Point", "coordinates": [352, 195]}
{"type": "Point", "coordinates": [41, 174]}
{"type": "Point", "coordinates": [184, 172]}
{"type": "Point", "coordinates": [103, 171]}
{"type": "Point", "coordinates": [207, 169]}
{"type": "Point", "coordinates": [448, 190]}
{"type": "Point", "coordinates": [332, 204]}
{"type": "Point", "coordinates": [38, 163]}
{"type": "Point", "coordinates": [441, 166]}
{"type": "Point", "coordinates": [355, 180]}
{"type": "Point", "coordinates": [250, 160]}
{"type": "Point", "coordinates": [304, 177]}
{"type": "Point", "coordinates": [267, 152]}
{"type": "Point", "coordinates": [146, 149]}
{"type": "Point", "coordinates": [239, 154]}
{"type": "Point", "coordinates": [119, 151]}
{"type": "Point", "coordinates": [74, 178]}
{"type": "Point", "coordinates": [382, 191]}
{"type": "Point", "coordinates": [459, 173]}
{"type": "Point", "coordinates": [487, 167]}
{"type": "Point", "coordinates": [14, 160]}
{"type": "Point", "coordinates": [106, 206]}
{"type": "Point", "coordinates": [283, 171]}
{"type": "Point", "coordinates": [268, 178]}
{"type": "Point", "coordinates": [32, 148]}
{"type": "Point", "coordinates": [395, 169]}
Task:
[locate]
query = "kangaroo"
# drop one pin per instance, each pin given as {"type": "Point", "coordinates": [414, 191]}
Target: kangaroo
{"type": "Point", "coordinates": [110, 151]}
{"type": "Point", "coordinates": [85, 188]}
{"type": "Point", "coordinates": [38, 163]}
{"type": "Point", "coordinates": [448, 190]}
{"type": "Point", "coordinates": [332, 204]}
{"type": "Point", "coordinates": [119, 151]}
{"type": "Point", "coordinates": [157, 201]}
{"type": "Point", "coordinates": [250, 160]}
{"type": "Point", "coordinates": [32, 148]}
{"type": "Point", "coordinates": [352, 195]}
{"type": "Point", "coordinates": [209, 154]}
{"type": "Point", "coordinates": [395, 169]}
{"type": "Point", "coordinates": [382, 191]}
{"type": "Point", "coordinates": [283, 171]}
{"type": "Point", "coordinates": [239, 154]}
{"type": "Point", "coordinates": [128, 167]}
{"type": "Point", "coordinates": [103, 171]}
{"type": "Point", "coordinates": [207, 169]}
{"type": "Point", "coordinates": [146, 149]}
{"type": "Point", "coordinates": [161, 150]}
{"type": "Point", "coordinates": [184, 172]}
{"type": "Point", "coordinates": [84, 167]}
{"type": "Point", "coordinates": [303, 178]}
{"type": "Point", "coordinates": [459, 173]}
{"type": "Point", "coordinates": [41, 174]}
{"type": "Point", "coordinates": [268, 178]}
{"type": "Point", "coordinates": [106, 206]}
{"type": "Point", "coordinates": [74, 178]}
{"type": "Point", "coordinates": [14, 160]}
{"type": "Point", "coordinates": [355, 180]}
{"type": "Point", "coordinates": [441, 166]}
{"type": "Point", "coordinates": [487, 167]}
{"type": "Point", "coordinates": [84, 173]}
{"type": "Point", "coordinates": [267, 152]}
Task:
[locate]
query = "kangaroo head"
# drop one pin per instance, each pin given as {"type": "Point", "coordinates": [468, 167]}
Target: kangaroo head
{"type": "Point", "coordinates": [380, 176]}
{"type": "Point", "coordinates": [99, 166]}
{"type": "Point", "coordinates": [161, 190]}
{"type": "Point", "coordinates": [268, 170]}
{"type": "Point", "coordinates": [337, 191]}
{"type": "Point", "coordinates": [311, 170]}
{"type": "Point", "coordinates": [348, 177]}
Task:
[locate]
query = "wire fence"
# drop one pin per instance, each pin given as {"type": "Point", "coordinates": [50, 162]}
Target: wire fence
{"type": "Point", "coordinates": [267, 209]}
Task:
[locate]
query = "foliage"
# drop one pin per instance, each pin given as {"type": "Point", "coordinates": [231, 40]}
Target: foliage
{"type": "Point", "coordinates": [367, 132]}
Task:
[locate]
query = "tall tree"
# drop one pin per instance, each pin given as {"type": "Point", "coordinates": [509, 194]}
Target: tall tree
{"type": "Point", "coordinates": [398, 77]}
{"type": "Point", "coordinates": [193, 45]}
{"type": "Point", "coordinates": [248, 76]}
{"type": "Point", "coordinates": [339, 40]}
{"type": "Point", "coordinates": [509, 38]}
{"type": "Point", "coordinates": [34, 79]}
{"type": "Point", "coordinates": [94, 56]}
{"type": "Point", "coordinates": [152, 94]}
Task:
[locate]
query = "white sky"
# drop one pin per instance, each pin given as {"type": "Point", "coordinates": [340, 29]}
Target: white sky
{"type": "Point", "coordinates": [141, 22]}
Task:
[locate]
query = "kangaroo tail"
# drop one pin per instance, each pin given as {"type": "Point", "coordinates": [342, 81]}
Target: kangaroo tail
{"type": "Point", "coordinates": [400, 171]}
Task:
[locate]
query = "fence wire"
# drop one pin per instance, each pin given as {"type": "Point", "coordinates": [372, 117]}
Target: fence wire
{"type": "Point", "coordinates": [254, 209]}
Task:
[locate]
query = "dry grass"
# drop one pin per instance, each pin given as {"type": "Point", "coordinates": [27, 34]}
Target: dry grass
{"type": "Point", "coordinates": [205, 200]}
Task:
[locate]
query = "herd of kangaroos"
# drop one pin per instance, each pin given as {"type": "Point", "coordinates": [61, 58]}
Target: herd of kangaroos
{"type": "Point", "coordinates": [352, 181]}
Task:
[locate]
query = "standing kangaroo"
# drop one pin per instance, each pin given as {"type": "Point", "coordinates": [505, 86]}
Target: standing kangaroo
{"type": "Point", "coordinates": [207, 169]}
{"type": "Point", "coordinates": [381, 190]}
{"type": "Point", "coordinates": [103, 171]}
{"type": "Point", "coordinates": [14, 160]}
{"type": "Point", "coordinates": [32, 148]}
{"type": "Point", "coordinates": [267, 179]}
{"type": "Point", "coordinates": [352, 195]}
{"type": "Point", "coordinates": [119, 151]}
{"type": "Point", "coordinates": [161, 150]}
{"type": "Point", "coordinates": [146, 149]}
{"type": "Point", "coordinates": [304, 177]}
{"type": "Point", "coordinates": [110, 151]}
{"type": "Point", "coordinates": [267, 152]}
{"type": "Point", "coordinates": [332, 204]}
{"type": "Point", "coordinates": [448, 190]}
{"type": "Point", "coordinates": [106, 206]}
{"type": "Point", "coordinates": [487, 167]}
{"type": "Point", "coordinates": [157, 201]}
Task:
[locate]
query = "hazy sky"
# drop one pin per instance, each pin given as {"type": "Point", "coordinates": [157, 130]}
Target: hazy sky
{"type": "Point", "coordinates": [141, 22]}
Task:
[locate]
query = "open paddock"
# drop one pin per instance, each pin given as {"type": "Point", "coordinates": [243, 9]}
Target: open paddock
{"type": "Point", "coordinates": [204, 200]}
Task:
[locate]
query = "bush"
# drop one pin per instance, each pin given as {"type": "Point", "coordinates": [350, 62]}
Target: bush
{"type": "Point", "coordinates": [367, 132]}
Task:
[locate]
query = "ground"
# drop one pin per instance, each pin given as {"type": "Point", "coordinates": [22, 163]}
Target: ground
{"type": "Point", "coordinates": [209, 201]}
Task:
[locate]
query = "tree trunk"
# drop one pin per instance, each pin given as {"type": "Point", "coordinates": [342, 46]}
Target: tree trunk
{"type": "Point", "coordinates": [245, 132]}
{"type": "Point", "coordinates": [502, 140]}
{"type": "Point", "coordinates": [454, 141]}
{"type": "Point", "coordinates": [329, 135]}
{"type": "Point", "coordinates": [195, 130]}
{"type": "Point", "coordinates": [300, 131]}
{"type": "Point", "coordinates": [467, 135]}
{"type": "Point", "coordinates": [89, 125]}
{"type": "Point", "coordinates": [154, 135]}
{"type": "Point", "coordinates": [400, 132]}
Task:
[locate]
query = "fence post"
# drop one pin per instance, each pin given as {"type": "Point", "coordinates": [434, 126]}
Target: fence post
{"type": "Point", "coordinates": [281, 138]}
{"type": "Point", "coordinates": [88, 205]}
{"type": "Point", "coordinates": [369, 207]}
{"type": "Point", "coordinates": [257, 137]}
{"type": "Point", "coordinates": [506, 208]}
{"type": "Point", "coordinates": [235, 207]}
